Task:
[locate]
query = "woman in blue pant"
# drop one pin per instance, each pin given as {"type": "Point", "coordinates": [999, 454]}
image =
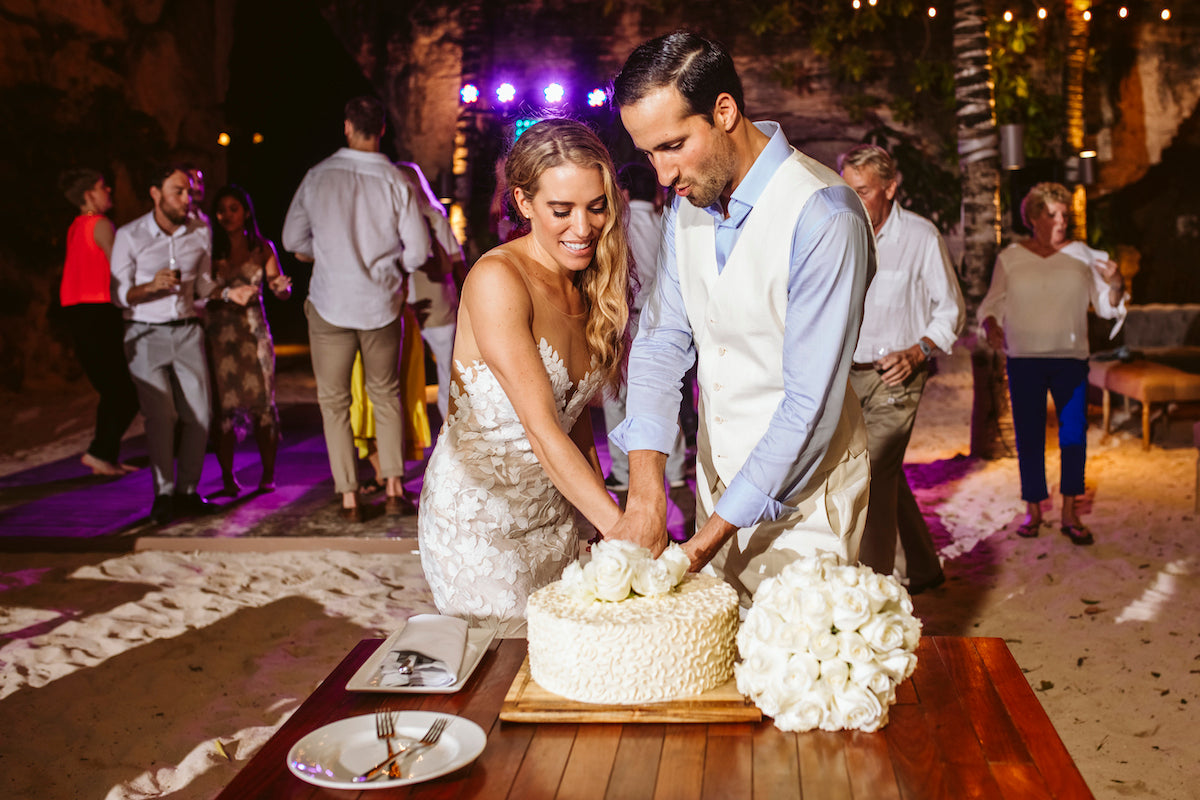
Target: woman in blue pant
{"type": "Point", "coordinates": [1036, 310]}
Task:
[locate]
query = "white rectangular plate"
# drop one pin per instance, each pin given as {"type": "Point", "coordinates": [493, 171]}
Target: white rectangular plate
{"type": "Point", "coordinates": [367, 677]}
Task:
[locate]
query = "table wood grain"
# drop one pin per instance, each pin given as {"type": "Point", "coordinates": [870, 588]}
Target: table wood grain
{"type": "Point", "coordinates": [966, 725]}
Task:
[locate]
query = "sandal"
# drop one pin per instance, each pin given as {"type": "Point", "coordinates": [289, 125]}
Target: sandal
{"type": "Point", "coordinates": [1029, 530]}
{"type": "Point", "coordinates": [1078, 534]}
{"type": "Point", "coordinates": [370, 487]}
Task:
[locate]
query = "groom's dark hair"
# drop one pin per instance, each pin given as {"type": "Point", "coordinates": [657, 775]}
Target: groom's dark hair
{"type": "Point", "coordinates": [700, 69]}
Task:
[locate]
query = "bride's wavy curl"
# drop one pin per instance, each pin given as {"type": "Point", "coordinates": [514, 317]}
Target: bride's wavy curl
{"type": "Point", "coordinates": [605, 285]}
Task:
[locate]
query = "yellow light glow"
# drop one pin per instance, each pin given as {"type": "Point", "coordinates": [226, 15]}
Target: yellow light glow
{"type": "Point", "coordinates": [257, 138]}
{"type": "Point", "coordinates": [872, 2]}
{"type": "Point", "coordinates": [932, 11]}
{"type": "Point", "coordinates": [1041, 13]}
{"type": "Point", "coordinates": [857, 5]}
{"type": "Point", "coordinates": [1087, 153]}
{"type": "Point", "coordinates": [1123, 12]}
{"type": "Point", "coordinates": [223, 139]}
{"type": "Point", "coordinates": [1087, 16]}
{"type": "Point", "coordinates": [1166, 14]}
{"type": "Point", "coordinates": [1008, 16]}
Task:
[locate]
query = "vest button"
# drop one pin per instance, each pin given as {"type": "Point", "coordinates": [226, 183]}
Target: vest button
{"type": "Point", "coordinates": [717, 387]}
{"type": "Point", "coordinates": [718, 420]}
{"type": "Point", "coordinates": [721, 351]}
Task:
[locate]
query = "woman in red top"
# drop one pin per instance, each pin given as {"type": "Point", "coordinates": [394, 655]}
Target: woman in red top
{"type": "Point", "coordinates": [96, 325]}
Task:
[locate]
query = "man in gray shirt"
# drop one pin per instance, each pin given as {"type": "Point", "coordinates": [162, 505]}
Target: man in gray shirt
{"type": "Point", "coordinates": [355, 217]}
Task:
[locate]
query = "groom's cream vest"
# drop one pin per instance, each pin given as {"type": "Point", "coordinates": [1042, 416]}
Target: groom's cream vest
{"type": "Point", "coordinates": [737, 320]}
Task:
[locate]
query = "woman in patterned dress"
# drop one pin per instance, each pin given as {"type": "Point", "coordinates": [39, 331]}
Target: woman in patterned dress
{"type": "Point", "coordinates": [240, 350]}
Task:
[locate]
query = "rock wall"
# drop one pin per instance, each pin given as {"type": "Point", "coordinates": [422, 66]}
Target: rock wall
{"type": "Point", "coordinates": [111, 85]}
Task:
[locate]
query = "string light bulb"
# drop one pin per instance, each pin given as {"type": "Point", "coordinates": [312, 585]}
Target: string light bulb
{"type": "Point", "coordinates": [1041, 13]}
{"type": "Point", "coordinates": [223, 139]}
{"type": "Point", "coordinates": [1166, 14]}
{"type": "Point", "coordinates": [856, 4]}
{"type": "Point", "coordinates": [872, 3]}
{"type": "Point", "coordinates": [1087, 15]}
{"type": "Point", "coordinates": [932, 12]}
{"type": "Point", "coordinates": [1123, 12]}
{"type": "Point", "coordinates": [1008, 16]}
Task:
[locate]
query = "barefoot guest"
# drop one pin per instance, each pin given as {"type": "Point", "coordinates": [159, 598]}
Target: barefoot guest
{"type": "Point", "coordinates": [96, 326]}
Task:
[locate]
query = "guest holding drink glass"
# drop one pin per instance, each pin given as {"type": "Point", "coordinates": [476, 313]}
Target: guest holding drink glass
{"type": "Point", "coordinates": [1036, 310]}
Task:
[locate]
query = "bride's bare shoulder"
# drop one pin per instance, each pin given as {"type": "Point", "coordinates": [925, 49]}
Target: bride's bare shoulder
{"type": "Point", "coordinates": [496, 276]}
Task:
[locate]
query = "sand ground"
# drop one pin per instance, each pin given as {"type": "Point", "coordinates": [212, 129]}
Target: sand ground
{"type": "Point", "coordinates": [158, 674]}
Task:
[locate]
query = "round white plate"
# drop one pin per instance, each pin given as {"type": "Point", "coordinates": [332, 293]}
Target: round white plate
{"type": "Point", "coordinates": [335, 754]}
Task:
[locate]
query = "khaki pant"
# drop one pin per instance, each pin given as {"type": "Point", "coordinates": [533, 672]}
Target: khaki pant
{"type": "Point", "coordinates": [333, 350]}
{"type": "Point", "coordinates": [830, 514]}
{"type": "Point", "coordinates": [893, 514]}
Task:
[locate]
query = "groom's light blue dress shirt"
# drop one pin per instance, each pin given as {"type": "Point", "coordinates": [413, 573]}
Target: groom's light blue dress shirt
{"type": "Point", "coordinates": [832, 259]}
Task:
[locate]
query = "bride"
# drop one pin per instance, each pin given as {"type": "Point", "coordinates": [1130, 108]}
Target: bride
{"type": "Point", "coordinates": [541, 328]}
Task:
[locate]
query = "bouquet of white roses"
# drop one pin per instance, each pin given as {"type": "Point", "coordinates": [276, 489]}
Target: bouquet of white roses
{"type": "Point", "coordinates": [619, 568]}
{"type": "Point", "coordinates": [824, 646]}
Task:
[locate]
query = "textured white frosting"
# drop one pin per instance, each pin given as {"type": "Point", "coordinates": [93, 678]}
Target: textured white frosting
{"type": "Point", "coordinates": [640, 650]}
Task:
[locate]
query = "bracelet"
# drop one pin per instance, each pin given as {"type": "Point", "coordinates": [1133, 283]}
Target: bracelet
{"type": "Point", "coordinates": [225, 294]}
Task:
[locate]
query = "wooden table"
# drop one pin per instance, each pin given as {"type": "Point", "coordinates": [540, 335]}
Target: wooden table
{"type": "Point", "coordinates": [967, 725]}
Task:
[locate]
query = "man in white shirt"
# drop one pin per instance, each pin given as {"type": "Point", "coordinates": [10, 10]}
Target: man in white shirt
{"type": "Point", "coordinates": [356, 217]}
{"type": "Point", "coordinates": [161, 265]}
{"type": "Point", "coordinates": [914, 306]}
{"type": "Point", "coordinates": [644, 230]}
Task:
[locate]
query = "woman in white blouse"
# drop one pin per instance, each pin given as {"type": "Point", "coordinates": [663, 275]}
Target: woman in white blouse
{"type": "Point", "coordinates": [1036, 310]}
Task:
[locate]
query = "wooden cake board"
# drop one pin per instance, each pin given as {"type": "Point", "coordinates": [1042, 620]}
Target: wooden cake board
{"type": "Point", "coordinates": [526, 701]}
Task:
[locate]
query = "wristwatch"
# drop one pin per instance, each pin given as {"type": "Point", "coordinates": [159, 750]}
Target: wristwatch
{"type": "Point", "coordinates": [925, 348]}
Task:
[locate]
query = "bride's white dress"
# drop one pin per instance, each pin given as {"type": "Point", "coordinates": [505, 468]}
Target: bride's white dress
{"type": "Point", "coordinates": [492, 527]}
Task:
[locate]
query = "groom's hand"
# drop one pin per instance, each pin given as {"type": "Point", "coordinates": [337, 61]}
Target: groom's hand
{"type": "Point", "coordinates": [645, 519]}
{"type": "Point", "coordinates": [707, 541]}
{"type": "Point", "coordinates": [642, 528]}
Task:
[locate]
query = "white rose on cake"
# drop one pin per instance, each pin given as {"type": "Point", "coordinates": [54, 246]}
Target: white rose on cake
{"type": "Point", "coordinates": [858, 634]}
{"type": "Point", "coordinates": [618, 568]}
{"type": "Point", "coordinates": [611, 569]}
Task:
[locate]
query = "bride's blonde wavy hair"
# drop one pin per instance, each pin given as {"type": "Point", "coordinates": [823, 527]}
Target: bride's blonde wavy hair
{"type": "Point", "coordinates": [605, 285]}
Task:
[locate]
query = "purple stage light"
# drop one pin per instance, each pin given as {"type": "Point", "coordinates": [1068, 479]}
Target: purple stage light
{"type": "Point", "coordinates": [597, 98]}
{"type": "Point", "coordinates": [469, 93]}
{"type": "Point", "coordinates": [506, 92]}
{"type": "Point", "coordinates": [554, 93]}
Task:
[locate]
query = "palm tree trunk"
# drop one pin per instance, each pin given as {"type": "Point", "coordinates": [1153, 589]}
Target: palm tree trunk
{"type": "Point", "coordinates": [979, 165]}
{"type": "Point", "coordinates": [1077, 48]}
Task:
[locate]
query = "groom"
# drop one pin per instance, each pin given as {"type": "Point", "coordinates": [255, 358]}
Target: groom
{"type": "Point", "coordinates": [761, 280]}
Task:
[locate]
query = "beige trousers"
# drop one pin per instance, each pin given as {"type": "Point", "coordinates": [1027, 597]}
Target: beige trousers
{"type": "Point", "coordinates": [893, 515]}
{"type": "Point", "coordinates": [830, 514]}
{"type": "Point", "coordinates": [332, 350]}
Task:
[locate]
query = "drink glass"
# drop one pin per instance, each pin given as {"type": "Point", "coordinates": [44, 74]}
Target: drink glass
{"type": "Point", "coordinates": [879, 353]}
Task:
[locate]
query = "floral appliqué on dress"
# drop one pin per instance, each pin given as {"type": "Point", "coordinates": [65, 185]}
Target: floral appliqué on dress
{"type": "Point", "coordinates": [493, 528]}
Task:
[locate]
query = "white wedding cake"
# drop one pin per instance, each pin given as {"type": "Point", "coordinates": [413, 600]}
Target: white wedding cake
{"type": "Point", "coordinates": [630, 629]}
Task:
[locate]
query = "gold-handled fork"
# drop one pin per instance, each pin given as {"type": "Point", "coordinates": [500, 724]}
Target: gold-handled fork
{"type": "Point", "coordinates": [431, 737]}
{"type": "Point", "coordinates": [388, 730]}
{"type": "Point", "coordinates": [385, 729]}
